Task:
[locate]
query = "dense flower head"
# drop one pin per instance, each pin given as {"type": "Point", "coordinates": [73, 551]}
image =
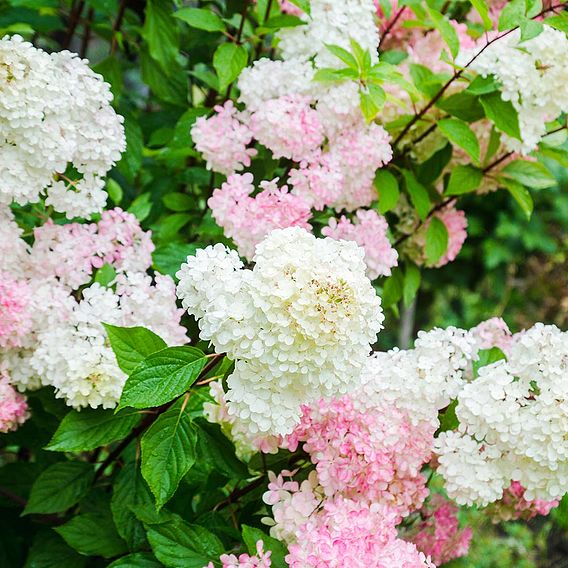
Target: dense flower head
{"type": "Point", "coordinates": [223, 139]}
{"type": "Point", "coordinates": [351, 533]}
{"type": "Point", "coordinates": [365, 452]}
{"type": "Point", "coordinates": [288, 126]}
{"type": "Point", "coordinates": [369, 230]}
{"type": "Point", "coordinates": [514, 506]}
{"type": "Point", "coordinates": [15, 321]}
{"type": "Point", "coordinates": [299, 324]}
{"type": "Point", "coordinates": [14, 251]}
{"type": "Point", "coordinates": [532, 74]}
{"type": "Point", "coordinates": [55, 112]}
{"type": "Point", "coordinates": [331, 22]}
{"type": "Point", "coordinates": [72, 251]}
{"type": "Point", "coordinates": [13, 406]}
{"type": "Point", "coordinates": [513, 420]}
{"type": "Point", "coordinates": [438, 534]}
{"type": "Point", "coordinates": [493, 332]}
{"type": "Point", "coordinates": [248, 220]}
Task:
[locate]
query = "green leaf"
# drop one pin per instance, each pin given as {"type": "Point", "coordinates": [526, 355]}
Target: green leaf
{"type": "Point", "coordinates": [114, 191]}
{"type": "Point", "coordinates": [141, 206]}
{"type": "Point", "coordinates": [160, 32]}
{"type": "Point", "coordinates": [436, 241]}
{"type": "Point", "coordinates": [559, 22]}
{"type": "Point", "coordinates": [343, 55]}
{"type": "Point", "coordinates": [92, 534]}
{"type": "Point", "coordinates": [252, 535]}
{"type": "Point", "coordinates": [178, 201]}
{"type": "Point", "coordinates": [304, 5]}
{"type": "Point", "coordinates": [131, 160]}
{"type": "Point", "coordinates": [463, 106]}
{"type": "Point", "coordinates": [178, 544]}
{"type": "Point", "coordinates": [214, 449]}
{"type": "Point", "coordinates": [418, 194]}
{"type": "Point", "coordinates": [447, 31]}
{"type": "Point", "coordinates": [136, 560]}
{"type": "Point", "coordinates": [530, 29]}
{"type": "Point", "coordinates": [487, 357]}
{"type": "Point", "coordinates": [168, 451]}
{"type": "Point", "coordinates": [131, 345]}
{"type": "Point", "coordinates": [460, 134]}
{"type": "Point", "coordinates": [387, 188]}
{"type": "Point", "coordinates": [105, 275]}
{"type": "Point", "coordinates": [129, 494]}
{"type": "Point", "coordinates": [372, 101]}
{"type": "Point", "coordinates": [49, 550]}
{"type": "Point", "coordinates": [464, 179]}
{"type": "Point", "coordinates": [281, 21]}
{"type": "Point", "coordinates": [229, 60]}
{"type": "Point", "coordinates": [171, 86]}
{"type": "Point", "coordinates": [412, 278]}
{"type": "Point", "coordinates": [449, 419]}
{"type": "Point", "coordinates": [483, 10]}
{"type": "Point", "coordinates": [162, 376]}
{"type": "Point", "coordinates": [393, 288]}
{"type": "Point", "coordinates": [59, 487]}
{"type": "Point", "coordinates": [89, 429]}
{"type": "Point", "coordinates": [554, 153]}
{"type": "Point", "coordinates": [168, 259]}
{"type": "Point", "coordinates": [512, 15]}
{"type": "Point", "coordinates": [502, 114]}
{"type": "Point", "coordinates": [482, 85]}
{"type": "Point", "coordinates": [201, 18]}
{"type": "Point", "coordinates": [521, 195]}
{"type": "Point", "coordinates": [531, 174]}
{"type": "Point", "coordinates": [332, 75]}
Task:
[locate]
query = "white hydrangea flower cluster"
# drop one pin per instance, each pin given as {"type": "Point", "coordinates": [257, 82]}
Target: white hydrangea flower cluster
{"type": "Point", "coordinates": [299, 324]}
{"type": "Point", "coordinates": [513, 423]}
{"type": "Point", "coordinates": [423, 380]}
{"type": "Point", "coordinates": [533, 76]}
{"type": "Point", "coordinates": [55, 112]}
{"type": "Point", "coordinates": [335, 23]}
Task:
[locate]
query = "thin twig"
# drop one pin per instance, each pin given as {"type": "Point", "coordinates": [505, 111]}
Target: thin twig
{"type": "Point", "coordinates": [236, 494]}
{"type": "Point", "coordinates": [117, 25]}
{"type": "Point", "coordinates": [87, 33]}
{"type": "Point", "coordinates": [74, 19]}
{"type": "Point", "coordinates": [391, 25]}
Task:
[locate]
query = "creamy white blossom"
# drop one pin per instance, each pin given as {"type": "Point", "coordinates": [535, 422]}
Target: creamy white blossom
{"type": "Point", "coordinates": [300, 323]}
{"type": "Point", "coordinates": [533, 75]}
{"type": "Point", "coordinates": [55, 112]}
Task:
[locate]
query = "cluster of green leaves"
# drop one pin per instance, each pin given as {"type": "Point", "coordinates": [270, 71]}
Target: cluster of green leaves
{"type": "Point", "coordinates": [146, 485]}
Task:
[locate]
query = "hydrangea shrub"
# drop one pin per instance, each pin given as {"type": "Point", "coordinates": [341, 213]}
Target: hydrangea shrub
{"type": "Point", "coordinates": [212, 218]}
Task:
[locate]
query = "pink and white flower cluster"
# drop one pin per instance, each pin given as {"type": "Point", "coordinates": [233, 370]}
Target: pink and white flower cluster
{"type": "Point", "coordinates": [51, 312]}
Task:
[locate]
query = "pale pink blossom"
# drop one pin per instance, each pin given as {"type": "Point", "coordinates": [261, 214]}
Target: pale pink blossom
{"type": "Point", "coordinates": [13, 406]}
{"type": "Point", "coordinates": [247, 220]}
{"type": "Point", "coordinates": [320, 182]}
{"type": "Point", "coordinates": [456, 224]}
{"type": "Point", "coordinates": [372, 454]}
{"type": "Point", "coordinates": [514, 506]}
{"type": "Point", "coordinates": [439, 535]}
{"type": "Point", "coordinates": [493, 332]}
{"type": "Point", "coordinates": [289, 127]}
{"type": "Point", "coordinates": [260, 560]}
{"type": "Point", "coordinates": [15, 319]}
{"type": "Point", "coordinates": [350, 533]}
{"type": "Point", "coordinates": [223, 139]}
{"type": "Point", "coordinates": [368, 230]}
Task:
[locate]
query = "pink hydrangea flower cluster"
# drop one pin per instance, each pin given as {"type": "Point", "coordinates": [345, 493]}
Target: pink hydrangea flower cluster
{"type": "Point", "coordinates": [351, 533]}
{"type": "Point", "coordinates": [13, 406]}
{"type": "Point", "coordinates": [71, 252]}
{"type": "Point", "coordinates": [247, 219]}
{"type": "Point", "coordinates": [223, 139]}
{"type": "Point", "coordinates": [372, 454]}
{"type": "Point", "coordinates": [493, 332]}
{"type": "Point", "coordinates": [456, 224]}
{"type": "Point", "coordinates": [260, 560]}
{"type": "Point", "coordinates": [514, 506]}
{"type": "Point", "coordinates": [288, 126]}
{"type": "Point", "coordinates": [369, 230]}
{"type": "Point", "coordinates": [14, 302]}
{"type": "Point", "coordinates": [439, 535]}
